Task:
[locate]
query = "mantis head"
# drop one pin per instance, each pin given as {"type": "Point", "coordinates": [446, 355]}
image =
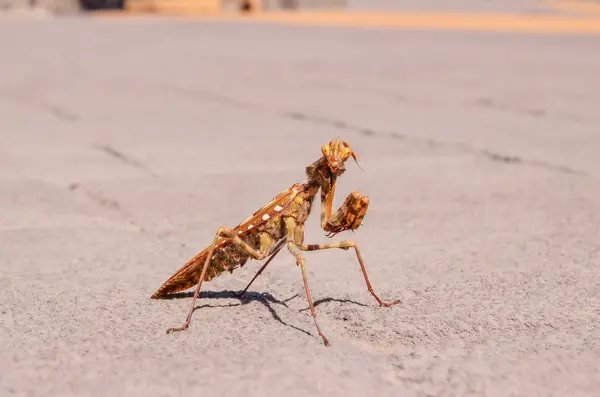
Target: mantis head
{"type": "Point", "coordinates": [336, 153]}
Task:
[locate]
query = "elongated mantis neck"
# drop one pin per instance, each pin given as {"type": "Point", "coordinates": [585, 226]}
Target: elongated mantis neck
{"type": "Point", "coordinates": [319, 178]}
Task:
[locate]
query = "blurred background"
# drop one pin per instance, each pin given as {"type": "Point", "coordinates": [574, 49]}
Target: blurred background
{"type": "Point", "coordinates": [131, 130]}
{"type": "Point", "coordinates": [212, 6]}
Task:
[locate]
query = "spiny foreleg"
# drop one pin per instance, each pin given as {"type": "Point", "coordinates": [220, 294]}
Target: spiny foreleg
{"type": "Point", "coordinates": [223, 231]}
{"type": "Point", "coordinates": [327, 192]}
{"type": "Point", "coordinates": [349, 216]}
{"type": "Point", "coordinates": [345, 245]}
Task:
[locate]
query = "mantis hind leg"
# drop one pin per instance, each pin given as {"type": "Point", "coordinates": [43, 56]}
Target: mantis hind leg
{"type": "Point", "coordinates": [223, 231]}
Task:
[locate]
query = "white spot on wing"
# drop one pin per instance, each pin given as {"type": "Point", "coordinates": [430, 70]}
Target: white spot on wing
{"type": "Point", "coordinates": [265, 217]}
{"type": "Point", "coordinates": [250, 227]}
{"type": "Point", "coordinates": [277, 208]}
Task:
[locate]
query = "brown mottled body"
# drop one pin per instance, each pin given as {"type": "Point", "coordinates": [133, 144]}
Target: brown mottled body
{"type": "Point", "coordinates": [280, 222]}
{"type": "Point", "coordinates": [260, 234]}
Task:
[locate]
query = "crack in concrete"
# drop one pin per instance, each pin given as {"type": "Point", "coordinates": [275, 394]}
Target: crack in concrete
{"type": "Point", "coordinates": [104, 202]}
{"type": "Point", "coordinates": [343, 125]}
{"type": "Point", "coordinates": [490, 155]}
{"type": "Point", "coordinates": [494, 104]}
{"type": "Point", "coordinates": [490, 103]}
{"type": "Point", "coordinates": [120, 156]}
{"type": "Point", "coordinates": [212, 97]}
{"type": "Point", "coordinates": [57, 111]}
{"type": "Point", "coordinates": [501, 158]}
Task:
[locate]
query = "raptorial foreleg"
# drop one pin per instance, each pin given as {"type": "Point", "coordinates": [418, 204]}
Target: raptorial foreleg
{"type": "Point", "coordinates": [349, 216]}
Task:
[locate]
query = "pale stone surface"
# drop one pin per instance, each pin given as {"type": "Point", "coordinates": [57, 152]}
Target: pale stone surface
{"type": "Point", "coordinates": [125, 144]}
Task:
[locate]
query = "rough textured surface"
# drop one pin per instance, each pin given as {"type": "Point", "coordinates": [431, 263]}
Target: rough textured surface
{"type": "Point", "coordinates": [125, 144]}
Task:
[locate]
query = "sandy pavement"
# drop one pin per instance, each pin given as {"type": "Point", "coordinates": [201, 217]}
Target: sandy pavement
{"type": "Point", "coordinates": [125, 144]}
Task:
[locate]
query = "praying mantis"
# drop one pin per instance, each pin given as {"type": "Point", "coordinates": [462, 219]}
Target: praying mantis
{"type": "Point", "coordinates": [278, 224]}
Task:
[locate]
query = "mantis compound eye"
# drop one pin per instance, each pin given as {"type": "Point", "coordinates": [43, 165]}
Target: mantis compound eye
{"type": "Point", "coordinates": [337, 152]}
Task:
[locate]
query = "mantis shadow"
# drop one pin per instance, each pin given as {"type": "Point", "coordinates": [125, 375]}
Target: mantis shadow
{"type": "Point", "coordinates": [265, 298]}
{"type": "Point", "coordinates": [325, 300]}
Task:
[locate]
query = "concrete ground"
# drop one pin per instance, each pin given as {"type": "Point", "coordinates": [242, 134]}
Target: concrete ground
{"type": "Point", "coordinates": [126, 143]}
